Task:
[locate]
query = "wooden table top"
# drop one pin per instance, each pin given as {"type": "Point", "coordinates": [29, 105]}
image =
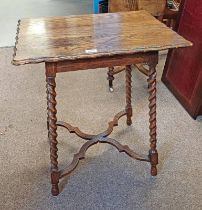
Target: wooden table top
{"type": "Point", "coordinates": [52, 39]}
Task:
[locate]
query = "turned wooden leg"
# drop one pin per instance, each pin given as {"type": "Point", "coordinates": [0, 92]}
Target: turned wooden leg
{"type": "Point", "coordinates": [110, 78]}
{"type": "Point", "coordinates": [47, 102]}
{"type": "Point", "coordinates": [128, 94]}
{"type": "Point", "coordinates": [153, 154]}
{"type": "Point", "coordinates": [52, 132]}
{"type": "Point", "coordinates": [47, 107]}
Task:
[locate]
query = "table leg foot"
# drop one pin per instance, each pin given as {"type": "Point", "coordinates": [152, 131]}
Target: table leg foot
{"type": "Point", "coordinates": [153, 171]}
{"type": "Point", "coordinates": [129, 122]}
{"type": "Point", "coordinates": [55, 190]}
{"type": "Point", "coordinates": [128, 95]}
{"type": "Point", "coordinates": [55, 181]}
{"type": "Point", "coordinates": [153, 156]}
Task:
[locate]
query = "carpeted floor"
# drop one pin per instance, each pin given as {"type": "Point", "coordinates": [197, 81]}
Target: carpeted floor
{"type": "Point", "coordinates": [106, 179]}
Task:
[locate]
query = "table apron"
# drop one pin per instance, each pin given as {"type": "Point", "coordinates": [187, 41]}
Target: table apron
{"type": "Point", "coordinates": [102, 62]}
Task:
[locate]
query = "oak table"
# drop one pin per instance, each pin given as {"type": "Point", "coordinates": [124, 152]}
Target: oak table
{"type": "Point", "coordinates": [89, 42]}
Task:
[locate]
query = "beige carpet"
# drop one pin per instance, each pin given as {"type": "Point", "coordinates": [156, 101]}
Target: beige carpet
{"type": "Point", "coordinates": [105, 179]}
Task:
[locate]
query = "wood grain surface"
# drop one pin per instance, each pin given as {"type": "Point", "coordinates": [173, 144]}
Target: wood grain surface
{"type": "Point", "coordinates": [123, 5]}
{"type": "Point", "coordinates": [53, 39]}
{"type": "Point", "coordinates": [154, 7]}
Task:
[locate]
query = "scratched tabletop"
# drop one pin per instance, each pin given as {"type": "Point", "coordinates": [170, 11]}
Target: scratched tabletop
{"type": "Point", "coordinates": [53, 39]}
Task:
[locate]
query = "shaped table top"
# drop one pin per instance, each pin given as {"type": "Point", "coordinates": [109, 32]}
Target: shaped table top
{"type": "Point", "coordinates": [52, 39]}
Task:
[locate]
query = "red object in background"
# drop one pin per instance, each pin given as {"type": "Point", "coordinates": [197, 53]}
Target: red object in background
{"type": "Point", "coordinates": [183, 70]}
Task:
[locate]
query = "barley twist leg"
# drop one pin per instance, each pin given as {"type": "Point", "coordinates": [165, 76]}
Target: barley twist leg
{"type": "Point", "coordinates": [47, 107]}
{"type": "Point", "coordinates": [128, 94]}
{"type": "Point", "coordinates": [153, 154]}
{"type": "Point", "coordinates": [52, 133]}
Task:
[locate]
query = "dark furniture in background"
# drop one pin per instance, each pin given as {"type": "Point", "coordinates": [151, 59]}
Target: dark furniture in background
{"type": "Point", "coordinates": [183, 69]}
{"type": "Point", "coordinates": [171, 13]}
